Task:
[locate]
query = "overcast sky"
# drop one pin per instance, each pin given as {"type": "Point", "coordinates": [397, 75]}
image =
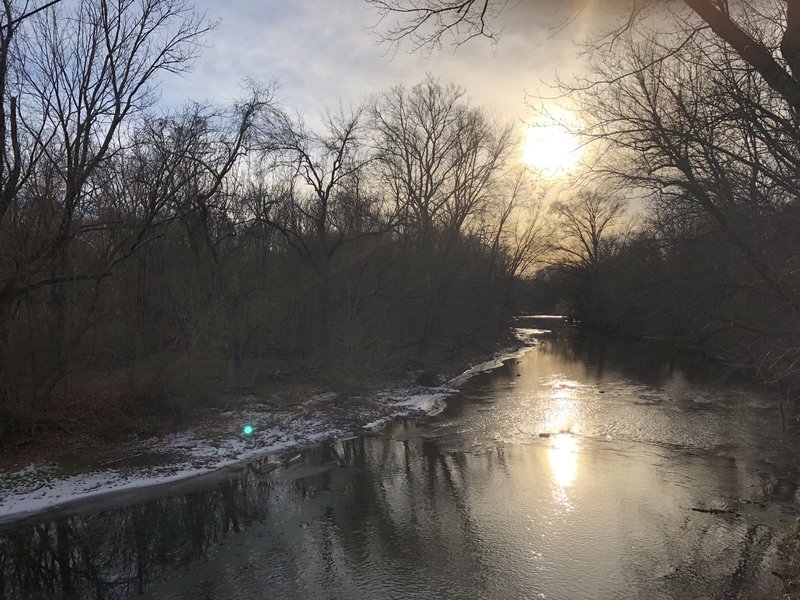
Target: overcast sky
{"type": "Point", "coordinates": [323, 51]}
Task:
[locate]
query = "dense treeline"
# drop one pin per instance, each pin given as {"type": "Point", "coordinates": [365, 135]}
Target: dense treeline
{"type": "Point", "coordinates": [148, 257]}
{"type": "Point", "coordinates": [712, 144]}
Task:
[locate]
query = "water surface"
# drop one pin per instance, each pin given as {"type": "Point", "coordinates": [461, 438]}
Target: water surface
{"type": "Point", "coordinates": [588, 468]}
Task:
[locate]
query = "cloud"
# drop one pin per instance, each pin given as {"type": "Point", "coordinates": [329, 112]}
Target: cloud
{"type": "Point", "coordinates": [323, 52]}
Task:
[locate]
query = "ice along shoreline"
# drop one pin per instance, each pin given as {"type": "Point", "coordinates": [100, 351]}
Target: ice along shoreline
{"type": "Point", "coordinates": [194, 457]}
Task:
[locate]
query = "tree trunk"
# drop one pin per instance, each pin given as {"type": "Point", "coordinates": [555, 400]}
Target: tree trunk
{"type": "Point", "coordinates": [754, 52]}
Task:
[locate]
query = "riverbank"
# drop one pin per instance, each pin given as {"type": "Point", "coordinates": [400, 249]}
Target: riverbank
{"type": "Point", "coordinates": [248, 428]}
{"type": "Point", "coordinates": [477, 492]}
{"type": "Point", "coordinates": [787, 562]}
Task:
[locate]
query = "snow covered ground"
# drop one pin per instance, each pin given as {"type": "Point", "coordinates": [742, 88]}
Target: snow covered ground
{"type": "Point", "coordinates": [241, 436]}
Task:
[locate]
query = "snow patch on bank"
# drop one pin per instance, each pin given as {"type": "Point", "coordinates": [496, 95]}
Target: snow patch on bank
{"type": "Point", "coordinates": [525, 335]}
{"type": "Point", "coordinates": [33, 497]}
{"type": "Point", "coordinates": [39, 487]}
{"type": "Point", "coordinates": [430, 401]}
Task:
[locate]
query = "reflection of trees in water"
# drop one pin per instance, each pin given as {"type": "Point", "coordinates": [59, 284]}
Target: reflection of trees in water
{"type": "Point", "coordinates": [399, 507]}
{"type": "Point", "coordinates": [602, 354]}
{"type": "Point", "coordinates": [406, 504]}
{"type": "Point", "coordinates": [116, 553]}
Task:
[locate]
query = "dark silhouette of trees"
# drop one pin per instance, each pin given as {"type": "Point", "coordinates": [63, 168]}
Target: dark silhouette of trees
{"type": "Point", "coordinates": [587, 226]}
{"type": "Point", "coordinates": [150, 262]}
{"type": "Point", "coordinates": [700, 117]}
{"type": "Point", "coordinates": [589, 234]}
{"type": "Point", "coordinates": [441, 162]}
{"type": "Point", "coordinates": [439, 157]}
{"type": "Point", "coordinates": [71, 80]}
{"type": "Point", "coordinates": [715, 147]}
{"type": "Point", "coordinates": [515, 228]}
{"type": "Point", "coordinates": [329, 165]}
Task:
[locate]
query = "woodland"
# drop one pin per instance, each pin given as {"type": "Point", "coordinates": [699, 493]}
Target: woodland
{"type": "Point", "coordinates": [152, 262]}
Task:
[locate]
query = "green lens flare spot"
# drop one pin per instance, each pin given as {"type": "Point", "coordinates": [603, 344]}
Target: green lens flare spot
{"type": "Point", "coordinates": [248, 430]}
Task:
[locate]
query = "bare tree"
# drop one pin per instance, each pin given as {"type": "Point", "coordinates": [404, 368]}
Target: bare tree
{"type": "Point", "coordinates": [701, 133]}
{"type": "Point", "coordinates": [441, 162]}
{"type": "Point", "coordinates": [588, 229]}
{"type": "Point", "coordinates": [717, 149]}
{"type": "Point", "coordinates": [515, 228]}
{"type": "Point", "coordinates": [440, 158]}
{"type": "Point", "coordinates": [425, 22]}
{"type": "Point", "coordinates": [328, 164]}
{"type": "Point", "coordinates": [77, 76]}
{"type": "Point", "coordinates": [589, 233]}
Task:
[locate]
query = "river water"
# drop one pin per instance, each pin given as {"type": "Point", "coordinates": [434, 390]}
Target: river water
{"type": "Point", "coordinates": [589, 467]}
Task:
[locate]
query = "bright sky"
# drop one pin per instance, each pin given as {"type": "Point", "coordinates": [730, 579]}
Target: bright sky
{"type": "Point", "coordinates": [322, 51]}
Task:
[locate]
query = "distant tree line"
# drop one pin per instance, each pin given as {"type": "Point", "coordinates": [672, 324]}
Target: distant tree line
{"type": "Point", "coordinates": [147, 256]}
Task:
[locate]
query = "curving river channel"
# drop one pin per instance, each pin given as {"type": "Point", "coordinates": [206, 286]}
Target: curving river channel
{"type": "Point", "coordinates": [589, 467]}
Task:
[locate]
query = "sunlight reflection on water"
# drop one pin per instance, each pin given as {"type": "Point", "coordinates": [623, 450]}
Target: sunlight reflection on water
{"type": "Point", "coordinates": [564, 448]}
{"type": "Point", "coordinates": [564, 415]}
{"type": "Point", "coordinates": [563, 458]}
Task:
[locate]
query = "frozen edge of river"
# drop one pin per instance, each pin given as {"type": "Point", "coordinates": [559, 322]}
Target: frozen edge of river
{"type": "Point", "coordinates": [39, 488]}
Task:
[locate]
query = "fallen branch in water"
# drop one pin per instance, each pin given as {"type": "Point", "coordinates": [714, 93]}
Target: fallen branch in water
{"type": "Point", "coordinates": [715, 511]}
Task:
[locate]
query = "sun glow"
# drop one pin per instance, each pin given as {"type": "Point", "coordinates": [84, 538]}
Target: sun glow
{"type": "Point", "coordinates": [564, 446]}
{"type": "Point", "coordinates": [551, 149]}
{"type": "Point", "coordinates": [563, 458]}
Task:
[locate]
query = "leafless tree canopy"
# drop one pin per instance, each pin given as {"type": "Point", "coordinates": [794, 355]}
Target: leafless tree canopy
{"type": "Point", "coordinates": [588, 228]}
{"type": "Point", "coordinates": [687, 119]}
{"type": "Point", "coordinates": [695, 105]}
{"type": "Point", "coordinates": [135, 244]}
{"type": "Point", "coordinates": [425, 24]}
{"type": "Point", "coordinates": [441, 158]}
{"type": "Point", "coordinates": [240, 242]}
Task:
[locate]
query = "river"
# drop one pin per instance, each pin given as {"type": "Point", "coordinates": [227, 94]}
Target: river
{"type": "Point", "coordinates": [588, 468]}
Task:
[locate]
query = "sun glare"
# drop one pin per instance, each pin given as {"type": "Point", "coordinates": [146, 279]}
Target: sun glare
{"type": "Point", "coordinates": [551, 149]}
{"type": "Point", "coordinates": [563, 458]}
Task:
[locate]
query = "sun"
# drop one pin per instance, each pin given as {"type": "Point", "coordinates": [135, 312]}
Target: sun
{"type": "Point", "coordinates": [551, 149]}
